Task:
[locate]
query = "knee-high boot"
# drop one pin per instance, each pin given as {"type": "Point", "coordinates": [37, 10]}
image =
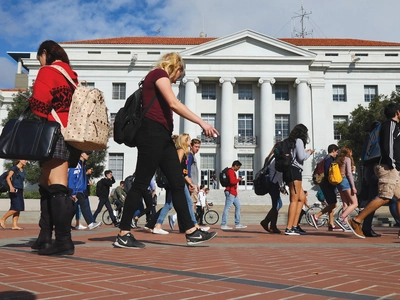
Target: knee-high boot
{"type": "Point", "coordinates": [62, 212]}
{"type": "Point", "coordinates": [264, 223]}
{"type": "Point", "coordinates": [45, 222]}
{"type": "Point", "coordinates": [274, 219]}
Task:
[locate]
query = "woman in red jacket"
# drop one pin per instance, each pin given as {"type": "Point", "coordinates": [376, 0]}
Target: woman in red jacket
{"type": "Point", "coordinates": [52, 90]}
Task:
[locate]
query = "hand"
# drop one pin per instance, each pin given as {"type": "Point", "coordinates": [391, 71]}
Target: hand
{"type": "Point", "coordinates": [209, 130]}
{"type": "Point", "coordinates": [310, 150]}
{"type": "Point", "coordinates": [192, 188]}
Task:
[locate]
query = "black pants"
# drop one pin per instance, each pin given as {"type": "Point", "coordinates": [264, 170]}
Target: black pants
{"type": "Point", "coordinates": [148, 201]}
{"type": "Point", "coordinates": [106, 202]}
{"type": "Point", "coordinates": [156, 148]}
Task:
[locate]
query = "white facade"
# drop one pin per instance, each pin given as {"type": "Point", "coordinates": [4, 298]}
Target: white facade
{"type": "Point", "coordinates": [262, 87]}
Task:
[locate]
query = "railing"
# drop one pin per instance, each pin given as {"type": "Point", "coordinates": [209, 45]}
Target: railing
{"type": "Point", "coordinates": [245, 140]}
{"type": "Point", "coordinates": [209, 140]}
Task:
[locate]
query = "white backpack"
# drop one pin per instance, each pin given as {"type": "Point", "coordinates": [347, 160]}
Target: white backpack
{"type": "Point", "coordinates": [88, 126]}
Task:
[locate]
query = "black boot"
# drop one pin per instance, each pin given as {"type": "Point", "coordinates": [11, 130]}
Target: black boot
{"type": "Point", "coordinates": [45, 223]}
{"type": "Point", "coordinates": [274, 219]}
{"type": "Point", "coordinates": [264, 223]}
{"type": "Point", "coordinates": [62, 212]}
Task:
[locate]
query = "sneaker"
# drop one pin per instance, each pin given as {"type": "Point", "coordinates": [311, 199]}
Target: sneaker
{"type": "Point", "coordinates": [314, 221]}
{"type": "Point", "coordinates": [199, 236]}
{"type": "Point", "coordinates": [171, 222]}
{"type": "Point", "coordinates": [128, 241]}
{"type": "Point", "coordinates": [80, 227]}
{"type": "Point", "coordinates": [240, 226]}
{"type": "Point", "coordinates": [147, 229]}
{"type": "Point", "coordinates": [340, 223]}
{"type": "Point", "coordinates": [356, 228]}
{"type": "Point", "coordinates": [347, 227]}
{"type": "Point", "coordinates": [334, 228]}
{"type": "Point", "coordinates": [225, 227]}
{"type": "Point", "coordinates": [299, 230]}
{"type": "Point", "coordinates": [94, 225]}
{"type": "Point", "coordinates": [291, 232]}
{"type": "Point", "coordinates": [116, 224]}
{"type": "Point", "coordinates": [205, 228]}
{"type": "Point", "coordinates": [159, 231]}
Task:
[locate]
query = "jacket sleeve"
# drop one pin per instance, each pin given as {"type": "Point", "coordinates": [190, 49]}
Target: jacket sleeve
{"type": "Point", "coordinates": [190, 161]}
{"type": "Point", "coordinates": [233, 180]}
{"type": "Point", "coordinates": [301, 154]}
{"type": "Point", "coordinates": [73, 179]}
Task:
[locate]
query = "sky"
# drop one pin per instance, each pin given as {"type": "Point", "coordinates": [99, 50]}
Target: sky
{"type": "Point", "coordinates": [24, 24]}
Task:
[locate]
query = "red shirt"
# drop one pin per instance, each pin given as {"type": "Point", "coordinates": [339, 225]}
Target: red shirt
{"type": "Point", "coordinates": [233, 182]}
{"type": "Point", "coordinates": [160, 110]}
{"type": "Point", "coordinates": [52, 90]}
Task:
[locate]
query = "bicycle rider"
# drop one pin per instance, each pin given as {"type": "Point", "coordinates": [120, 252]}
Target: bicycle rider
{"type": "Point", "coordinates": [119, 196]}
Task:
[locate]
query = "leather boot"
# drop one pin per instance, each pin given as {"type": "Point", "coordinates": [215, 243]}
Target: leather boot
{"type": "Point", "coordinates": [264, 223]}
{"type": "Point", "coordinates": [274, 219]}
{"type": "Point", "coordinates": [62, 212]}
{"type": "Point", "coordinates": [45, 222]}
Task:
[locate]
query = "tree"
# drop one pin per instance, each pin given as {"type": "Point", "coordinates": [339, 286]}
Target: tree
{"type": "Point", "coordinates": [354, 133]}
{"type": "Point", "coordinates": [32, 169]}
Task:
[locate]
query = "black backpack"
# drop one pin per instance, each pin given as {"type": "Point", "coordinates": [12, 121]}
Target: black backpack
{"type": "Point", "coordinates": [161, 179]}
{"type": "Point", "coordinates": [128, 183]}
{"type": "Point", "coordinates": [283, 156]}
{"type": "Point", "coordinates": [223, 177]}
{"type": "Point", "coordinates": [99, 188]}
{"type": "Point", "coordinates": [3, 183]}
{"type": "Point", "coordinates": [129, 118]}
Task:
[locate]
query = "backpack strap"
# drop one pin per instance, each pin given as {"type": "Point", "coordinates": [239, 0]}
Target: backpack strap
{"type": "Point", "coordinates": [64, 73]}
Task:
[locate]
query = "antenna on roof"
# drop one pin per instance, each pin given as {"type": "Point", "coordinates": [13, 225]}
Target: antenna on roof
{"type": "Point", "coordinates": [302, 15]}
{"type": "Point", "coordinates": [158, 31]}
{"type": "Point", "coordinates": [203, 32]}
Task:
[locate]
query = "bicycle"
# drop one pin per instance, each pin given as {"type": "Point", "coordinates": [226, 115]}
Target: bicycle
{"type": "Point", "coordinates": [211, 217]}
{"type": "Point", "coordinates": [118, 216]}
{"type": "Point", "coordinates": [323, 219]}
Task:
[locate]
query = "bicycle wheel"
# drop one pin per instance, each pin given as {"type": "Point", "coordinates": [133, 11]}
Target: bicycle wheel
{"type": "Point", "coordinates": [211, 217]}
{"type": "Point", "coordinates": [353, 214]}
{"type": "Point", "coordinates": [106, 218]}
{"type": "Point", "coordinates": [312, 211]}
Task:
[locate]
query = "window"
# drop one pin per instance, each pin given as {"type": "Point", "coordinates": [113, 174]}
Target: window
{"type": "Point", "coordinates": [90, 85]}
{"type": "Point", "coordinates": [207, 167]}
{"type": "Point", "coordinates": [116, 165]}
{"type": "Point", "coordinates": [336, 121]}
{"type": "Point", "coordinates": [370, 92]}
{"type": "Point", "coordinates": [361, 54]}
{"type": "Point", "coordinates": [331, 54]}
{"type": "Point", "coordinates": [118, 91]}
{"type": "Point", "coordinates": [339, 93]}
{"type": "Point", "coordinates": [245, 92]}
{"type": "Point", "coordinates": [281, 127]}
{"type": "Point", "coordinates": [245, 125]}
{"type": "Point", "coordinates": [209, 118]}
{"type": "Point", "coordinates": [391, 54]}
{"type": "Point", "coordinates": [208, 91]}
{"type": "Point", "coordinates": [281, 91]}
{"type": "Point", "coordinates": [246, 170]}
{"type": "Point", "coordinates": [398, 88]}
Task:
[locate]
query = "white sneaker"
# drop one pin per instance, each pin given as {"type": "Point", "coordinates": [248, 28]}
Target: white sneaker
{"type": "Point", "coordinates": [205, 228]}
{"type": "Point", "coordinates": [240, 226]}
{"type": "Point", "coordinates": [80, 227]}
{"type": "Point", "coordinates": [147, 229]}
{"type": "Point", "coordinates": [94, 225]}
{"type": "Point", "coordinates": [159, 231]}
{"type": "Point", "coordinates": [225, 227]}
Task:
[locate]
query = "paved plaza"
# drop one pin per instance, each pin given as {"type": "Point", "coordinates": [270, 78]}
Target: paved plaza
{"type": "Point", "coordinates": [237, 264]}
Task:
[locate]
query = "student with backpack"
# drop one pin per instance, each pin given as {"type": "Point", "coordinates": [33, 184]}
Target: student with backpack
{"type": "Point", "coordinates": [231, 197]}
{"type": "Point", "coordinates": [15, 180]}
{"type": "Point", "coordinates": [298, 139]}
{"type": "Point", "coordinates": [103, 191]}
{"type": "Point", "coordinates": [329, 191]}
{"type": "Point", "coordinates": [52, 90]}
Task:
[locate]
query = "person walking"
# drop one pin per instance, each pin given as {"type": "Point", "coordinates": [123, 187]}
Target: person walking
{"type": "Point", "coordinates": [52, 90]}
{"type": "Point", "coordinates": [193, 170]}
{"type": "Point", "coordinates": [231, 197]}
{"type": "Point", "coordinates": [156, 149]}
{"type": "Point", "coordinates": [387, 170]}
{"type": "Point", "coordinates": [103, 190]}
{"type": "Point", "coordinates": [298, 138]}
{"type": "Point", "coordinates": [329, 191]}
{"type": "Point", "coordinates": [15, 180]}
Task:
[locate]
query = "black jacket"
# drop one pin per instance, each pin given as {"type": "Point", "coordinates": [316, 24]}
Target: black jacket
{"type": "Point", "coordinates": [106, 184]}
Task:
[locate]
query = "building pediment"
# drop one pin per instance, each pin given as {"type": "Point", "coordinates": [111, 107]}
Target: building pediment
{"type": "Point", "coordinates": [248, 44]}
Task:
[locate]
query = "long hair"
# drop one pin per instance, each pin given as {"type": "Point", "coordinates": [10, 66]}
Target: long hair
{"type": "Point", "coordinates": [299, 131]}
{"type": "Point", "coordinates": [53, 52]}
{"type": "Point", "coordinates": [171, 63]}
{"type": "Point", "coordinates": [345, 152]}
{"type": "Point", "coordinates": [183, 142]}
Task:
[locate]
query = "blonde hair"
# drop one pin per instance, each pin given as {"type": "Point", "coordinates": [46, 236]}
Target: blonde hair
{"type": "Point", "coordinates": [183, 142]}
{"type": "Point", "coordinates": [171, 63]}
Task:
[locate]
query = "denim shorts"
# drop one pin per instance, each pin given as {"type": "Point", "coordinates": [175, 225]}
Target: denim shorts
{"type": "Point", "coordinates": [344, 185]}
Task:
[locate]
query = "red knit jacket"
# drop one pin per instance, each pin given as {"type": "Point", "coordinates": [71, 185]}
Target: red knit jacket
{"type": "Point", "coordinates": [52, 90]}
{"type": "Point", "coordinates": [233, 182]}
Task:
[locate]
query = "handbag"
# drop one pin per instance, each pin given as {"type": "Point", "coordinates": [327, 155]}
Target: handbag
{"type": "Point", "coordinates": [29, 139]}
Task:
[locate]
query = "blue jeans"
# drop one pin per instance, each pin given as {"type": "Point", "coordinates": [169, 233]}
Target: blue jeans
{"type": "Point", "coordinates": [168, 206]}
{"type": "Point", "coordinates": [230, 199]}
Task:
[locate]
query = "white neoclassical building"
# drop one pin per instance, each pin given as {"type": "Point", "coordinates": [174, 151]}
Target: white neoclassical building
{"type": "Point", "coordinates": [252, 87]}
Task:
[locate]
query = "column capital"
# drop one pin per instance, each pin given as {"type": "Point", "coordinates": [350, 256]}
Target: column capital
{"type": "Point", "coordinates": [301, 80]}
{"type": "Point", "coordinates": [266, 80]}
{"type": "Point", "coordinates": [187, 79]}
{"type": "Point", "coordinates": [227, 79]}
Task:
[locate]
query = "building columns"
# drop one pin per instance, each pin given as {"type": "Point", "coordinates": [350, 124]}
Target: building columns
{"type": "Point", "coordinates": [190, 102]}
{"type": "Point", "coordinates": [227, 122]}
{"type": "Point", "coordinates": [267, 126]}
